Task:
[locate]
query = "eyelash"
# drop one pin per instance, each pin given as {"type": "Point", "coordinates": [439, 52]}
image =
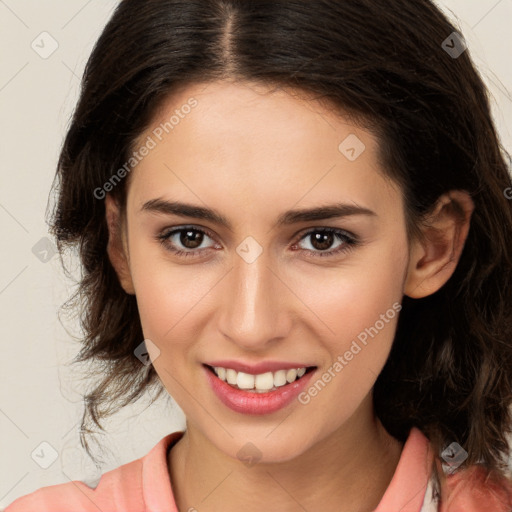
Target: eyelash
{"type": "Point", "coordinates": [350, 241]}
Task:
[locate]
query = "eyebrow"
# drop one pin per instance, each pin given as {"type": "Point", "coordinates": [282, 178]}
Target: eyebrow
{"type": "Point", "coordinates": [338, 210]}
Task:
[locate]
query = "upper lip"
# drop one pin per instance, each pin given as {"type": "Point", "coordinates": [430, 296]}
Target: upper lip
{"type": "Point", "coordinates": [257, 368]}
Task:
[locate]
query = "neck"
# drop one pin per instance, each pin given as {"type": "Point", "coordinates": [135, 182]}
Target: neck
{"type": "Point", "coordinates": [348, 470]}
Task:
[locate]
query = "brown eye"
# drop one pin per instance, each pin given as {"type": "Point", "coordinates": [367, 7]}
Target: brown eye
{"type": "Point", "coordinates": [191, 238]}
{"type": "Point", "coordinates": [321, 240]}
{"type": "Point", "coordinates": [184, 241]}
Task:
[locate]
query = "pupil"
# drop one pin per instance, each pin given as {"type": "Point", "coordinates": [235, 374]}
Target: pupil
{"type": "Point", "coordinates": [192, 234]}
{"type": "Point", "coordinates": [322, 241]}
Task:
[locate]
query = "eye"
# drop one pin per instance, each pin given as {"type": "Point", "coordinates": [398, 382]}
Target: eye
{"type": "Point", "coordinates": [186, 241]}
{"type": "Point", "coordinates": [323, 238]}
{"type": "Point", "coordinates": [189, 238]}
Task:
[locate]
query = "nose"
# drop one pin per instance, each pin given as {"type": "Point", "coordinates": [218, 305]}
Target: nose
{"type": "Point", "coordinates": [255, 310]}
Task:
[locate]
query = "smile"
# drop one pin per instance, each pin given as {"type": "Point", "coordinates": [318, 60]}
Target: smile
{"type": "Point", "coordinates": [257, 393]}
{"type": "Point", "coordinates": [260, 383]}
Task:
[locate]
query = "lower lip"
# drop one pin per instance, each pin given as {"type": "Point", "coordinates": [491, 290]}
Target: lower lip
{"type": "Point", "coordinates": [256, 403]}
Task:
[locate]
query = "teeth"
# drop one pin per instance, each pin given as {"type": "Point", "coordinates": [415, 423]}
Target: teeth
{"type": "Point", "coordinates": [260, 383]}
{"type": "Point", "coordinates": [264, 381]}
{"type": "Point", "coordinates": [245, 380]}
{"type": "Point", "coordinates": [230, 376]}
{"type": "Point", "coordinates": [291, 375]}
{"type": "Point", "coordinates": [280, 378]}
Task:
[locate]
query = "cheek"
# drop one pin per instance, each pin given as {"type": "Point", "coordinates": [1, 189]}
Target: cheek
{"type": "Point", "coordinates": [360, 306]}
{"type": "Point", "coordinates": [168, 295]}
{"type": "Point", "coordinates": [167, 300]}
{"type": "Point", "coordinates": [362, 317]}
{"type": "Point", "coordinates": [353, 297]}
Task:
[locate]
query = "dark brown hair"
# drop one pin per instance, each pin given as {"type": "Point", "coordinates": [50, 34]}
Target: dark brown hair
{"type": "Point", "coordinates": [450, 368]}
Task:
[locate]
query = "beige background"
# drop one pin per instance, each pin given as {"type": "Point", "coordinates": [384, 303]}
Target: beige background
{"type": "Point", "coordinates": [40, 397]}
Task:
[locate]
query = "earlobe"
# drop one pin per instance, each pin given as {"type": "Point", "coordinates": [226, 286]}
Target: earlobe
{"type": "Point", "coordinates": [116, 248]}
{"type": "Point", "coordinates": [434, 259]}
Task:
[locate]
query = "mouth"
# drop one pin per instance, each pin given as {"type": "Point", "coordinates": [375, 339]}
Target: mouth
{"type": "Point", "coordinates": [266, 382]}
{"type": "Point", "coordinates": [257, 394]}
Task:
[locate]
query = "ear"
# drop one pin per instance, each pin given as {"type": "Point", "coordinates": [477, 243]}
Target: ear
{"type": "Point", "coordinates": [433, 259]}
{"type": "Point", "coordinates": [117, 247]}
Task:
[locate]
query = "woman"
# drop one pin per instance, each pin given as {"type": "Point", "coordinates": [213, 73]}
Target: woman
{"type": "Point", "coordinates": [292, 216]}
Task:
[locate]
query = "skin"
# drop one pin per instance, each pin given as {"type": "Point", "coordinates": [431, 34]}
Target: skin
{"type": "Point", "coordinates": [251, 154]}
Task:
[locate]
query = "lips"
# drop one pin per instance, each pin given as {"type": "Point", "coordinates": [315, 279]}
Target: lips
{"type": "Point", "coordinates": [257, 401]}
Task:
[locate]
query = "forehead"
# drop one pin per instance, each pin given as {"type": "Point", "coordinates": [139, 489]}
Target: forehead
{"type": "Point", "coordinates": [256, 147]}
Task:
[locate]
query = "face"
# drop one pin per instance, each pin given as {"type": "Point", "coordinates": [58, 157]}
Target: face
{"type": "Point", "coordinates": [260, 285]}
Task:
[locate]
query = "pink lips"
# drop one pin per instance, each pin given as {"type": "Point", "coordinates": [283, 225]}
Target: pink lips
{"type": "Point", "coordinates": [247, 402]}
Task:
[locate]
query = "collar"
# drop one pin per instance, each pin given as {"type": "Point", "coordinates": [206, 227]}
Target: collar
{"type": "Point", "coordinates": [405, 493]}
{"type": "Point", "coordinates": [407, 489]}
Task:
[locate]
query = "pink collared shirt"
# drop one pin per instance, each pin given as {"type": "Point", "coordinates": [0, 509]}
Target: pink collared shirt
{"type": "Point", "coordinates": [143, 486]}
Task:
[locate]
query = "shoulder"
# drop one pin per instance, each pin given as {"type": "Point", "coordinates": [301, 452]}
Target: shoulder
{"type": "Point", "coordinates": [132, 487]}
{"type": "Point", "coordinates": [118, 489]}
{"type": "Point", "coordinates": [474, 490]}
